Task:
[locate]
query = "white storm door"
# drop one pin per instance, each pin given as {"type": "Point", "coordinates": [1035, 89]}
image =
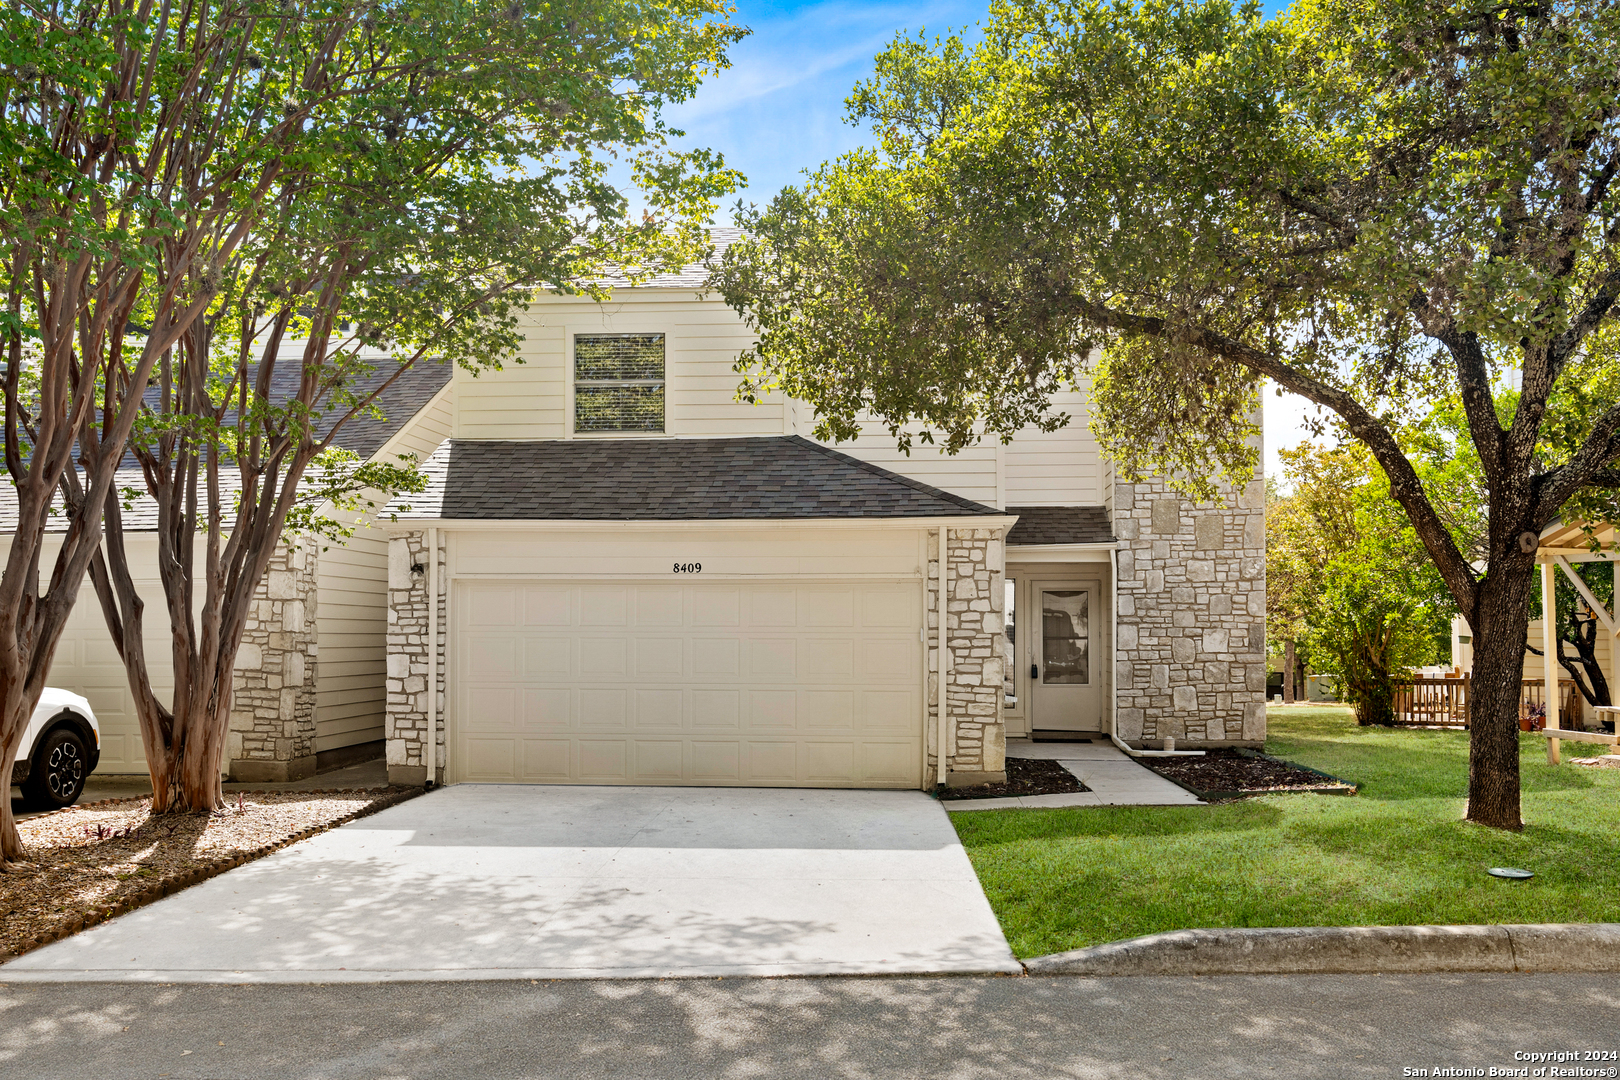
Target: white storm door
{"type": "Point", "coordinates": [1065, 656]}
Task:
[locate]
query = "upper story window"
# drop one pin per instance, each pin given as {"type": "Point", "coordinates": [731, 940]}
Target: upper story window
{"type": "Point", "coordinates": [619, 382]}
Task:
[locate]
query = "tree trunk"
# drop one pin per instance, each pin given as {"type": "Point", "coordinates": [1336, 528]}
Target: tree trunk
{"type": "Point", "coordinates": [1288, 672]}
{"type": "Point", "coordinates": [11, 849]}
{"type": "Point", "coordinates": [1497, 686]}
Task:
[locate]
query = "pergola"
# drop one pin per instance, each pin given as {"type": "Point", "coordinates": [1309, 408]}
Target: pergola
{"type": "Point", "coordinates": [1561, 546]}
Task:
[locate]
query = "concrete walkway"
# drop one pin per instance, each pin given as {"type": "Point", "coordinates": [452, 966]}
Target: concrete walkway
{"type": "Point", "coordinates": [510, 882]}
{"type": "Point", "coordinates": [1114, 778]}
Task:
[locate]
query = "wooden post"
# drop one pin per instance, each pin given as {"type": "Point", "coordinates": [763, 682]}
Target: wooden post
{"type": "Point", "coordinates": [1549, 638]}
{"type": "Point", "coordinates": [1288, 672]}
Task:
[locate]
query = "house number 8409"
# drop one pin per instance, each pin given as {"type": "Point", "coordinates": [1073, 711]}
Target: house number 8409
{"type": "Point", "coordinates": [688, 568]}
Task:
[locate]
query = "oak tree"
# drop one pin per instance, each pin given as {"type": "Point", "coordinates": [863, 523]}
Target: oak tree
{"type": "Point", "coordinates": [1375, 204]}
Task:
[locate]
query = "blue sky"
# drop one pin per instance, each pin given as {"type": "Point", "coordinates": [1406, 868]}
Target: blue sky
{"type": "Point", "coordinates": [779, 109]}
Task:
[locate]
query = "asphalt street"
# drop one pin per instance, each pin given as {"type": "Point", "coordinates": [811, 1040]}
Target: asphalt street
{"type": "Point", "coordinates": [952, 1028]}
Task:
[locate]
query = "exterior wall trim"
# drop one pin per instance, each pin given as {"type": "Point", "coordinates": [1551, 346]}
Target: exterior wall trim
{"type": "Point", "coordinates": [963, 521]}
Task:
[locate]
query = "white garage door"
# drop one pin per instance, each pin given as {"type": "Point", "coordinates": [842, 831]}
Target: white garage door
{"type": "Point", "coordinates": [704, 683]}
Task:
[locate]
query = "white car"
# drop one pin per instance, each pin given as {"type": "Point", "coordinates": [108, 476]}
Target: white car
{"type": "Point", "coordinates": [60, 748]}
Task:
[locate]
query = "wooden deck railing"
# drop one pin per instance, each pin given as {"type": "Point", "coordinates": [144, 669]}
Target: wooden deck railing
{"type": "Point", "coordinates": [1532, 704]}
{"type": "Point", "coordinates": [1432, 702]}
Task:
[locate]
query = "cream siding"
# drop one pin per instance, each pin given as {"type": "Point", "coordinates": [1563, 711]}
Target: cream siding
{"type": "Point", "coordinates": [1057, 468]}
{"type": "Point", "coordinates": [532, 399]}
{"type": "Point", "coordinates": [353, 606]}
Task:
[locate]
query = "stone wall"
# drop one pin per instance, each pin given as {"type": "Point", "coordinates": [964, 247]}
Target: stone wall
{"type": "Point", "coordinates": [976, 735]}
{"type": "Point", "coordinates": [1192, 617]}
{"type": "Point", "coordinates": [406, 722]}
{"type": "Point", "coordinates": [272, 735]}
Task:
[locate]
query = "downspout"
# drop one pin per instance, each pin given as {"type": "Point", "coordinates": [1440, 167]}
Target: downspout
{"type": "Point", "coordinates": [1113, 669]}
{"type": "Point", "coordinates": [944, 663]}
{"type": "Point", "coordinates": [430, 748]}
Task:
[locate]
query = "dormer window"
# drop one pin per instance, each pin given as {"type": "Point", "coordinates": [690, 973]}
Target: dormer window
{"type": "Point", "coordinates": [618, 382]}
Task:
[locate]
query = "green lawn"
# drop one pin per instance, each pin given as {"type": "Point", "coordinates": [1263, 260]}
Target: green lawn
{"type": "Point", "coordinates": [1396, 853]}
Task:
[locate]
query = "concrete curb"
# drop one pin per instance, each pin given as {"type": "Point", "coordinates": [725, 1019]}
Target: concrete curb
{"type": "Point", "coordinates": [1299, 950]}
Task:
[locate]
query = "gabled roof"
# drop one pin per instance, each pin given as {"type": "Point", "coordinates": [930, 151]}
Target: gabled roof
{"type": "Point", "coordinates": [692, 275]}
{"type": "Point", "coordinates": [363, 435]}
{"type": "Point", "coordinates": [1038, 525]}
{"type": "Point", "coordinates": [784, 477]}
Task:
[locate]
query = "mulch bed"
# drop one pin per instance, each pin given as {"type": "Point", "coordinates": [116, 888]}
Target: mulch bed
{"type": "Point", "coordinates": [1025, 776]}
{"type": "Point", "coordinates": [1236, 774]}
{"type": "Point", "coordinates": [89, 863]}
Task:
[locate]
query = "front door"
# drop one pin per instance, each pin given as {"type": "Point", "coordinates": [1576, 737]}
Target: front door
{"type": "Point", "coordinates": [1065, 690]}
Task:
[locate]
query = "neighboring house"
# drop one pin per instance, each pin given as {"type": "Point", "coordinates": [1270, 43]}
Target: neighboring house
{"type": "Point", "coordinates": [309, 677]}
{"type": "Point", "coordinates": [633, 577]}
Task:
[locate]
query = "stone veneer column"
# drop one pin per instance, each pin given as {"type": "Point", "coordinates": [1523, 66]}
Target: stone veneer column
{"type": "Point", "coordinates": [272, 734]}
{"type": "Point", "coordinates": [976, 739]}
{"type": "Point", "coordinates": [406, 723]}
{"type": "Point", "coordinates": [1192, 617]}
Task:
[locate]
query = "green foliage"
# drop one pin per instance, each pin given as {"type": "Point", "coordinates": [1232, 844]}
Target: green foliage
{"type": "Point", "coordinates": [1348, 579]}
{"type": "Point", "coordinates": [1395, 854]}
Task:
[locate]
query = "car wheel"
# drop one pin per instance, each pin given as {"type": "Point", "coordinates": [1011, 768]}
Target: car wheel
{"type": "Point", "coordinates": [56, 776]}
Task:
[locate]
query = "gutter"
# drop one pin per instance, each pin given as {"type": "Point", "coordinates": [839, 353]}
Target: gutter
{"type": "Point", "coordinates": [1113, 667]}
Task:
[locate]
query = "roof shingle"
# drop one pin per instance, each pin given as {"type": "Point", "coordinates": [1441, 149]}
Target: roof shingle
{"type": "Point", "coordinates": [1039, 525]}
{"type": "Point", "coordinates": [667, 480]}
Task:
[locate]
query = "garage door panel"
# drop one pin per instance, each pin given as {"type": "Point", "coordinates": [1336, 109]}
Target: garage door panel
{"type": "Point", "coordinates": [886, 711]}
{"type": "Point", "coordinates": [547, 760]}
{"type": "Point", "coordinates": [658, 710]}
{"type": "Point", "coordinates": [547, 708]}
{"type": "Point", "coordinates": [888, 660]}
{"type": "Point", "coordinates": [604, 759]}
{"type": "Point", "coordinates": [769, 606]}
{"type": "Point", "coordinates": [657, 607]}
{"type": "Point", "coordinates": [604, 656]}
{"type": "Point", "coordinates": [885, 607]}
{"type": "Point", "coordinates": [827, 710]}
{"type": "Point", "coordinates": [829, 658]}
{"type": "Point", "coordinates": [545, 605]}
{"type": "Point", "coordinates": [770, 762]}
{"type": "Point", "coordinates": [489, 656]}
{"type": "Point", "coordinates": [828, 762]}
{"type": "Point", "coordinates": [603, 708]}
{"type": "Point", "coordinates": [491, 759]}
{"type": "Point", "coordinates": [660, 656]}
{"type": "Point", "coordinates": [695, 683]}
{"type": "Point", "coordinates": [773, 710]}
{"type": "Point", "coordinates": [716, 710]}
{"type": "Point", "coordinates": [604, 607]}
{"type": "Point", "coordinates": [661, 760]}
{"type": "Point", "coordinates": [487, 606]}
{"type": "Point", "coordinates": [774, 658]}
{"type": "Point", "coordinates": [547, 656]}
{"type": "Point", "coordinates": [716, 760]}
{"type": "Point", "coordinates": [886, 762]}
{"type": "Point", "coordinates": [496, 707]}
{"type": "Point", "coordinates": [828, 607]}
{"type": "Point", "coordinates": [717, 607]}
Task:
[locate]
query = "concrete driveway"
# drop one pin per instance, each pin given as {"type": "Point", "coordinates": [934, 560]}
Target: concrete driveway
{"type": "Point", "coordinates": [502, 882]}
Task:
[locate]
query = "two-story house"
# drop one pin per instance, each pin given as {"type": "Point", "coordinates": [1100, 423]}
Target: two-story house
{"type": "Point", "coordinates": [632, 577]}
{"type": "Point", "coordinates": [629, 576]}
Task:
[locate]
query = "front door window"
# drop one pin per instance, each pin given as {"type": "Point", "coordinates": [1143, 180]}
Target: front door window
{"type": "Point", "coordinates": [1066, 637]}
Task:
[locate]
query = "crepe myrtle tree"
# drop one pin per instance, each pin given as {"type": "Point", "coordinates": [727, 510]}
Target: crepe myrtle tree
{"type": "Point", "coordinates": [1377, 206]}
{"type": "Point", "coordinates": [425, 213]}
{"type": "Point", "coordinates": [139, 144]}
